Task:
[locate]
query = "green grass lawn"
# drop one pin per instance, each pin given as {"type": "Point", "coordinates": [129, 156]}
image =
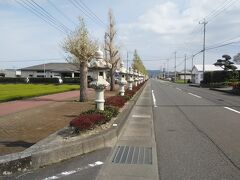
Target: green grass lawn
{"type": "Point", "coordinates": [20, 91]}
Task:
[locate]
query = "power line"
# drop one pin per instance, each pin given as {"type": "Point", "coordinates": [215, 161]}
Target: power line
{"type": "Point", "coordinates": [84, 11]}
{"type": "Point", "coordinates": [222, 45]}
{"type": "Point", "coordinates": [226, 6]}
{"type": "Point", "coordinates": [91, 12]}
{"type": "Point", "coordinates": [61, 12]}
{"type": "Point", "coordinates": [218, 8]}
{"type": "Point", "coordinates": [32, 10]}
{"type": "Point", "coordinates": [47, 14]}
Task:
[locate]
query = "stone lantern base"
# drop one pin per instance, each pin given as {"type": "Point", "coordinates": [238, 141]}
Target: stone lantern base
{"type": "Point", "coordinates": [100, 99]}
{"type": "Point", "coordinates": [130, 87]}
{"type": "Point", "coordinates": [122, 89]}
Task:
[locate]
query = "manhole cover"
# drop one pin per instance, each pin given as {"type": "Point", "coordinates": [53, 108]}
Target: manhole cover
{"type": "Point", "coordinates": [132, 155]}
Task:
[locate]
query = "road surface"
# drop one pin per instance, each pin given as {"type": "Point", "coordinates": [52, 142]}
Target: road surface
{"type": "Point", "coordinates": [197, 132]}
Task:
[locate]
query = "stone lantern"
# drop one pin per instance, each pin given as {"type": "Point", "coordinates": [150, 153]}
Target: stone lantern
{"type": "Point", "coordinates": [99, 83]}
{"type": "Point", "coordinates": [122, 80]}
{"type": "Point", "coordinates": [130, 78]}
{"type": "Point", "coordinates": [141, 79]}
{"type": "Point", "coordinates": [135, 78]}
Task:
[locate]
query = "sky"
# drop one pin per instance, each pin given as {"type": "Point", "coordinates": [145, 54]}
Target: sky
{"type": "Point", "coordinates": [156, 28]}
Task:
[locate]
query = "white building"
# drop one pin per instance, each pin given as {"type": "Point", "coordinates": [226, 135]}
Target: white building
{"type": "Point", "coordinates": [197, 71]}
{"type": "Point", "coordinates": [182, 75]}
{"type": "Point", "coordinates": [10, 73]}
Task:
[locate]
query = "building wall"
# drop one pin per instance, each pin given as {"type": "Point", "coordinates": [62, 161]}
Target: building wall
{"type": "Point", "coordinates": [181, 77]}
{"type": "Point", "coordinates": [48, 74]}
{"type": "Point", "coordinates": [8, 73]}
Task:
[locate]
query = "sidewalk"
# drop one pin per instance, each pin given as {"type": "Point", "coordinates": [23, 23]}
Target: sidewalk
{"type": "Point", "coordinates": [134, 156]}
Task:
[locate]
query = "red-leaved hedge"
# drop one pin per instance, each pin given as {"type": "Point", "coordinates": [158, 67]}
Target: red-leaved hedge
{"type": "Point", "coordinates": [87, 121]}
{"type": "Point", "coordinates": [117, 101]}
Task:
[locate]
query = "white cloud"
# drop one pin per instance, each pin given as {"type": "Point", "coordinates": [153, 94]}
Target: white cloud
{"type": "Point", "coordinates": [168, 26]}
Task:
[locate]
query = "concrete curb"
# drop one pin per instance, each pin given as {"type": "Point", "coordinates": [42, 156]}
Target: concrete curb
{"type": "Point", "coordinates": [42, 155]}
{"type": "Point", "coordinates": [221, 90]}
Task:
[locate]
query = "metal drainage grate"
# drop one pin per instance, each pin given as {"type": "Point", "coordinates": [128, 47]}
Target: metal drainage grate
{"type": "Point", "coordinates": [133, 155]}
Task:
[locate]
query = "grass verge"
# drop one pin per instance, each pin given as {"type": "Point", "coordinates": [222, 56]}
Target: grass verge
{"type": "Point", "coordinates": [20, 91]}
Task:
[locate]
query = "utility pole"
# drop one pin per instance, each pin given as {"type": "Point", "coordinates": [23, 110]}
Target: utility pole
{"type": "Point", "coordinates": [185, 66]}
{"type": "Point", "coordinates": [175, 66]}
{"type": "Point", "coordinates": [192, 69]}
{"type": "Point", "coordinates": [127, 60]}
{"type": "Point", "coordinates": [204, 22]}
{"type": "Point", "coordinates": [168, 67]}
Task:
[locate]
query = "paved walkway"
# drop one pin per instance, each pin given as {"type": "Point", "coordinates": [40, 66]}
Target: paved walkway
{"type": "Point", "coordinates": [134, 156]}
{"type": "Point", "coordinates": [21, 105]}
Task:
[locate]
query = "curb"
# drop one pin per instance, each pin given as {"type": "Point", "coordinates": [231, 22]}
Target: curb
{"type": "Point", "coordinates": [57, 152]}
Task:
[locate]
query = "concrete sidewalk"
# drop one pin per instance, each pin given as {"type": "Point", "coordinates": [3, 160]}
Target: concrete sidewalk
{"type": "Point", "coordinates": [134, 156]}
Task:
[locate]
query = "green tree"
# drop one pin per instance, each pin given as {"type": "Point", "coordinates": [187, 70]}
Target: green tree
{"type": "Point", "coordinates": [137, 63]}
{"type": "Point", "coordinates": [81, 49]}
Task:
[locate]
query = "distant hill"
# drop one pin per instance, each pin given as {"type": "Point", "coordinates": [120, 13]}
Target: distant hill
{"type": "Point", "coordinates": [153, 73]}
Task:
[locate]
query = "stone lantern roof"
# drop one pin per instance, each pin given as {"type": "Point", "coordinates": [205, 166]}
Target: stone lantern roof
{"type": "Point", "coordinates": [98, 62]}
{"type": "Point", "coordinates": [122, 69]}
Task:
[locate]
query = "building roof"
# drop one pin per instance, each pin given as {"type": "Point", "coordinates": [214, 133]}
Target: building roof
{"type": "Point", "coordinates": [55, 67]}
{"type": "Point", "coordinates": [211, 67]}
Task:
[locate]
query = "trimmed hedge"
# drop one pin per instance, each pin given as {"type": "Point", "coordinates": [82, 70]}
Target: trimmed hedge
{"type": "Point", "coordinates": [219, 76]}
{"type": "Point", "coordinates": [44, 80]}
{"type": "Point", "coordinates": [12, 80]}
{"type": "Point", "coordinates": [71, 80]}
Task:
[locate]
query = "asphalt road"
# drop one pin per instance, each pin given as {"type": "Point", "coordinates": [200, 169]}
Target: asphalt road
{"type": "Point", "coordinates": [85, 167]}
{"type": "Point", "coordinates": [197, 132]}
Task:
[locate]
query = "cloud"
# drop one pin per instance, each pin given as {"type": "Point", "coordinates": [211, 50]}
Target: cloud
{"type": "Point", "coordinates": [174, 26]}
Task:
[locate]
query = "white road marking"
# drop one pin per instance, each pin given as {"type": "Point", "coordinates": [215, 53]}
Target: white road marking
{"type": "Point", "coordinates": [179, 89]}
{"type": "Point", "coordinates": [114, 125]}
{"type": "Point", "coordinates": [67, 173]}
{"type": "Point", "coordinates": [194, 95]}
{"type": "Point", "coordinates": [141, 116]}
{"type": "Point", "coordinates": [154, 99]}
{"type": "Point", "coordinates": [232, 110]}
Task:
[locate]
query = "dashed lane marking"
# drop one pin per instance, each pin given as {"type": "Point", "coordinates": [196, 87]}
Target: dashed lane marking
{"type": "Point", "coordinates": [179, 89]}
{"type": "Point", "coordinates": [232, 110]}
{"type": "Point", "coordinates": [195, 95]}
{"type": "Point", "coordinates": [141, 116]}
{"type": "Point", "coordinates": [154, 99]}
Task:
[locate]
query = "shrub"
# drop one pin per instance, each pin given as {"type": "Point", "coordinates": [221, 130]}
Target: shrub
{"type": "Point", "coordinates": [12, 80]}
{"type": "Point", "coordinates": [86, 121]}
{"type": "Point", "coordinates": [71, 80]}
{"type": "Point", "coordinates": [44, 80]}
{"type": "Point", "coordinates": [109, 112]}
{"type": "Point", "coordinates": [117, 101]}
{"type": "Point", "coordinates": [129, 93]}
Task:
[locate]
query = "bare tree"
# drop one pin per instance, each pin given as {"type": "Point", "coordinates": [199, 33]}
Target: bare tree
{"type": "Point", "coordinates": [81, 49]}
{"type": "Point", "coordinates": [112, 52]}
